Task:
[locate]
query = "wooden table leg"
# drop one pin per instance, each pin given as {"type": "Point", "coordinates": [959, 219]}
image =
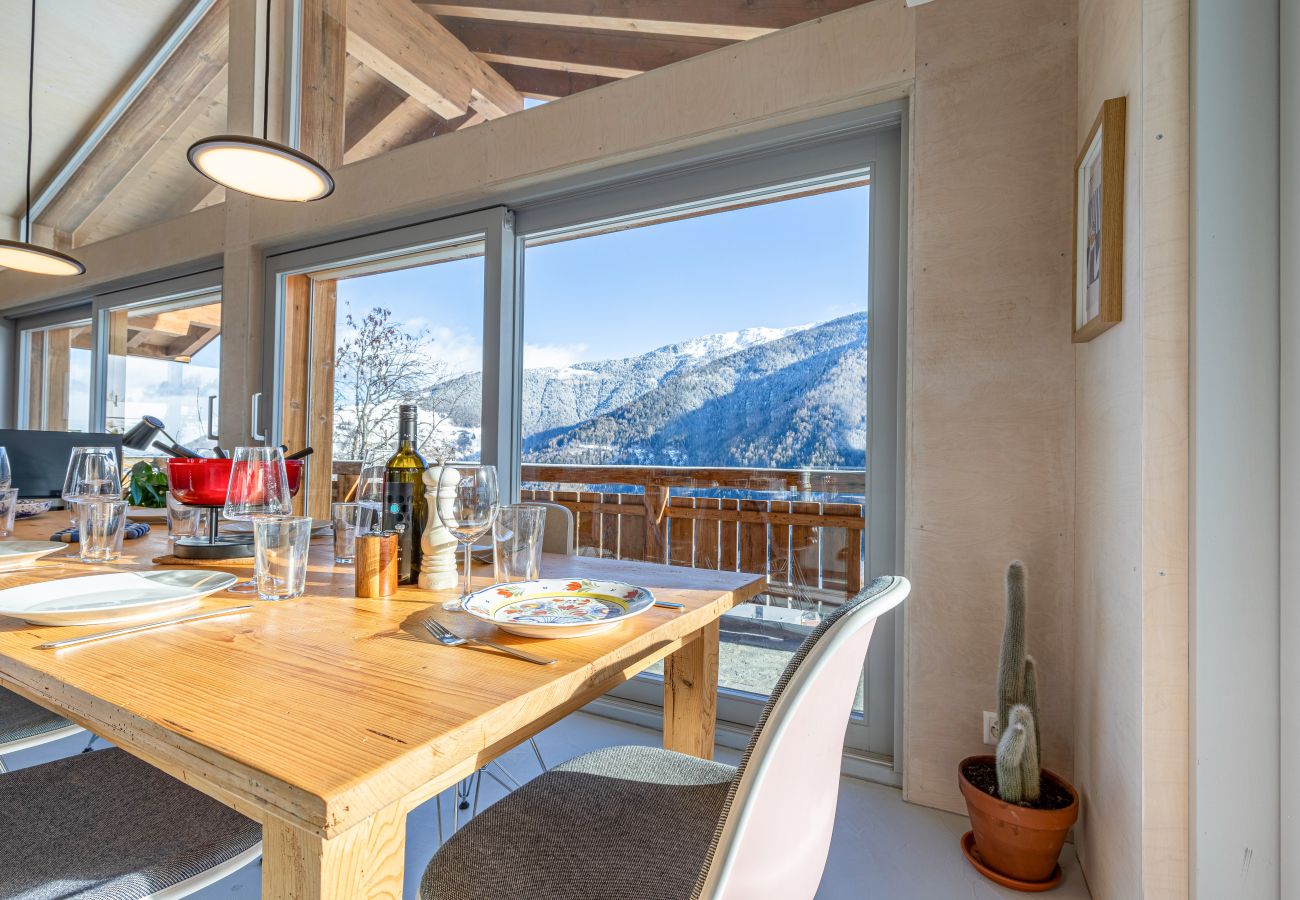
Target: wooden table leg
{"type": "Point", "coordinates": [364, 861]}
{"type": "Point", "coordinates": [691, 694]}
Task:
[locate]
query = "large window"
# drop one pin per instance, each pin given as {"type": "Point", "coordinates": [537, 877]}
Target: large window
{"type": "Point", "coordinates": [56, 374]}
{"type": "Point", "coordinates": [699, 361]}
{"type": "Point", "coordinates": [163, 359]}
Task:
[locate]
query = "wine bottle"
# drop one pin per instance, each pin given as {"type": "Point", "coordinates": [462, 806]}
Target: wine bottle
{"type": "Point", "coordinates": [405, 509]}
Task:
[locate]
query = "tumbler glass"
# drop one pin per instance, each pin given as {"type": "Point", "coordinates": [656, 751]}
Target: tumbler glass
{"type": "Point", "coordinates": [101, 525]}
{"type": "Point", "coordinates": [183, 521]}
{"type": "Point", "coordinates": [280, 556]}
{"type": "Point", "coordinates": [350, 519]}
{"type": "Point", "coordinates": [517, 543]}
{"type": "Point", "coordinates": [8, 507]}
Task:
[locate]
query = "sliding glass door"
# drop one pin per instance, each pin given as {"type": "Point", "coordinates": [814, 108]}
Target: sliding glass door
{"type": "Point", "coordinates": [55, 367]}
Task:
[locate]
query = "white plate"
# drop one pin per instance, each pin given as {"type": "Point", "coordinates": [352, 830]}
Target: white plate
{"type": "Point", "coordinates": [558, 607]}
{"type": "Point", "coordinates": [146, 514]}
{"type": "Point", "coordinates": [114, 597]}
{"type": "Point", "coordinates": [20, 554]}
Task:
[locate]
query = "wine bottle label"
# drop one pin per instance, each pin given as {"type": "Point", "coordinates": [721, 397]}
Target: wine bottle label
{"type": "Point", "coordinates": [399, 508]}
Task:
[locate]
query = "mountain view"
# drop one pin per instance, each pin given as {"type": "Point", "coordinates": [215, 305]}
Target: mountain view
{"type": "Point", "coordinates": [762, 397]}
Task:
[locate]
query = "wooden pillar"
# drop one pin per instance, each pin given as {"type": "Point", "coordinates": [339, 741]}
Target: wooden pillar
{"type": "Point", "coordinates": [58, 343]}
{"type": "Point", "coordinates": [35, 380]}
{"type": "Point", "coordinates": [323, 80]}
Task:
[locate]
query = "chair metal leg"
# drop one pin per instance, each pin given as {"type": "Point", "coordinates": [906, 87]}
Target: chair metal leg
{"type": "Point", "coordinates": [514, 782]}
{"type": "Point", "coordinates": [437, 807]}
{"type": "Point", "coordinates": [2, 765]}
{"type": "Point", "coordinates": [532, 742]}
{"type": "Point", "coordinates": [90, 743]}
{"type": "Point", "coordinates": [478, 786]}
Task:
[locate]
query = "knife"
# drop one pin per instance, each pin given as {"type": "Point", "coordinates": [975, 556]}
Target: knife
{"type": "Point", "coordinates": [194, 617]}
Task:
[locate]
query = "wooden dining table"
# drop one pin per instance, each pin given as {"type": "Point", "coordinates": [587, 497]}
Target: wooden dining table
{"type": "Point", "coordinates": [328, 718]}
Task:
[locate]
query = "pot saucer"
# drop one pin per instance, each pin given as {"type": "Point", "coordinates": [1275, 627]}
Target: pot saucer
{"type": "Point", "coordinates": [973, 857]}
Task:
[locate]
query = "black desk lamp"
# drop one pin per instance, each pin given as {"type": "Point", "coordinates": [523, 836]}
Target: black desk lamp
{"type": "Point", "coordinates": [144, 434]}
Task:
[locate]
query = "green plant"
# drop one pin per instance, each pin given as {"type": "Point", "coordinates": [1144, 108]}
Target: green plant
{"type": "Point", "coordinates": [146, 486]}
{"type": "Point", "coordinates": [1020, 746]}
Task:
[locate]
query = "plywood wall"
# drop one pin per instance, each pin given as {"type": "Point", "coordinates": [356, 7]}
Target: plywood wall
{"type": "Point", "coordinates": [1131, 483]}
{"type": "Point", "coordinates": [991, 374]}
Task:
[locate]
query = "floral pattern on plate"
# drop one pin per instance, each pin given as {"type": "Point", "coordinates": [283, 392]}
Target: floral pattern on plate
{"type": "Point", "coordinates": [558, 607]}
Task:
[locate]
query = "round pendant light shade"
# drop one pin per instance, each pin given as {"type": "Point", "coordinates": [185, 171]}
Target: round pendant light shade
{"type": "Point", "coordinates": [30, 258]}
{"type": "Point", "coordinates": [260, 167]}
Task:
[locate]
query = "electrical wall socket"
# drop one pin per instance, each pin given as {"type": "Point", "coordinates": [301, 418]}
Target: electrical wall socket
{"type": "Point", "coordinates": [990, 728]}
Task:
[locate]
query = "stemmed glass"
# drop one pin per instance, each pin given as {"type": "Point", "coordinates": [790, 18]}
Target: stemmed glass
{"type": "Point", "coordinates": [467, 509]}
{"type": "Point", "coordinates": [93, 474]}
{"type": "Point", "coordinates": [259, 487]}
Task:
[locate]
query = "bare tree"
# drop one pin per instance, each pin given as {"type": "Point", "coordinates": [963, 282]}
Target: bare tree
{"type": "Point", "coordinates": [378, 366]}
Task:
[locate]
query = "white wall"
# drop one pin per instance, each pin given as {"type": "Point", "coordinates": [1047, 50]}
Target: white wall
{"type": "Point", "coordinates": [1235, 432]}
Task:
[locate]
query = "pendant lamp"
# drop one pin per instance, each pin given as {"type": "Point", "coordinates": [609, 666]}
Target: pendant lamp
{"type": "Point", "coordinates": [25, 255]}
{"type": "Point", "coordinates": [258, 166]}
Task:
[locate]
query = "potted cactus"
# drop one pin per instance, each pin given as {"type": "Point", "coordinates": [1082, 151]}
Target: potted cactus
{"type": "Point", "coordinates": [1020, 812]}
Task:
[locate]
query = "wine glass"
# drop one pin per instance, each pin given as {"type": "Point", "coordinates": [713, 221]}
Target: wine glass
{"type": "Point", "coordinates": [93, 474]}
{"type": "Point", "coordinates": [467, 509]}
{"type": "Point", "coordinates": [6, 474]}
{"type": "Point", "coordinates": [259, 487]}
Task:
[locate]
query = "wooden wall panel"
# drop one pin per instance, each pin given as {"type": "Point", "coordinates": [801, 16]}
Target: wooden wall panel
{"type": "Point", "coordinates": [990, 407]}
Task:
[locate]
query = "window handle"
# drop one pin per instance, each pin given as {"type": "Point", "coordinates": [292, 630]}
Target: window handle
{"type": "Point", "coordinates": [256, 414]}
{"type": "Point", "coordinates": [212, 402]}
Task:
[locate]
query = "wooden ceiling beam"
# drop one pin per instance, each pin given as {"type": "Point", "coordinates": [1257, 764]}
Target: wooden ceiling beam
{"type": "Point", "coordinates": [323, 81]}
{"type": "Point", "coordinates": [182, 79]}
{"type": "Point", "coordinates": [407, 122]}
{"type": "Point", "coordinates": [425, 60]}
{"type": "Point", "coordinates": [567, 50]}
{"type": "Point", "coordinates": [730, 20]}
{"type": "Point", "coordinates": [548, 84]}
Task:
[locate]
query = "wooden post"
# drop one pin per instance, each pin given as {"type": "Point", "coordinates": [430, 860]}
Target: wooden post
{"type": "Point", "coordinates": [324, 79]}
{"type": "Point", "coordinates": [367, 860]}
{"type": "Point", "coordinates": [655, 500]}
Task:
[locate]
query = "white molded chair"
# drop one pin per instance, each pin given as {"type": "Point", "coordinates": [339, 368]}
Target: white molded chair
{"type": "Point", "coordinates": [640, 823]}
{"type": "Point", "coordinates": [557, 534]}
{"type": "Point", "coordinates": [23, 725]}
{"type": "Point", "coordinates": [106, 826]}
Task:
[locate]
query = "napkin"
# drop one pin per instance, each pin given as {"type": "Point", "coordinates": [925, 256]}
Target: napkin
{"type": "Point", "coordinates": [133, 530]}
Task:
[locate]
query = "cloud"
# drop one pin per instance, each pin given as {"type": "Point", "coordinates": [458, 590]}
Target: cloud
{"type": "Point", "coordinates": [542, 356]}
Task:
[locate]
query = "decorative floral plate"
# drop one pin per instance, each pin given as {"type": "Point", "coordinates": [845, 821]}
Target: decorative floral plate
{"type": "Point", "coordinates": [29, 508]}
{"type": "Point", "coordinates": [558, 607]}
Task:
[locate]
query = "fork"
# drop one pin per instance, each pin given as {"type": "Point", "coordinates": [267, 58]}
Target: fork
{"type": "Point", "coordinates": [443, 636]}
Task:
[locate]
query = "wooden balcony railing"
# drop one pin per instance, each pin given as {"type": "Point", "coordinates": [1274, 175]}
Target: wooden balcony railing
{"type": "Point", "coordinates": [809, 547]}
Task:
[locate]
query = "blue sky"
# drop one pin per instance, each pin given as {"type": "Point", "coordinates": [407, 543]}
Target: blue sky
{"type": "Point", "coordinates": [623, 293]}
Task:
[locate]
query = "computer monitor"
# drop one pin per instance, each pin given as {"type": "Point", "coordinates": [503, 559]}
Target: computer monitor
{"type": "Point", "coordinates": [39, 459]}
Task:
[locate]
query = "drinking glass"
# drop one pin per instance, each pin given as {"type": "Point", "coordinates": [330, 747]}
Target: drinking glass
{"type": "Point", "coordinates": [280, 556]}
{"type": "Point", "coordinates": [259, 486]}
{"type": "Point", "coordinates": [6, 474]}
{"type": "Point", "coordinates": [517, 543]}
{"type": "Point", "coordinates": [101, 525]}
{"type": "Point", "coordinates": [182, 521]}
{"type": "Point", "coordinates": [93, 474]}
{"type": "Point", "coordinates": [8, 506]}
{"type": "Point", "coordinates": [350, 519]}
{"type": "Point", "coordinates": [467, 509]}
{"type": "Point", "coordinates": [370, 493]}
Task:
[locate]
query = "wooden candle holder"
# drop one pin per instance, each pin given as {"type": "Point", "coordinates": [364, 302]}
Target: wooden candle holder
{"type": "Point", "coordinates": [376, 565]}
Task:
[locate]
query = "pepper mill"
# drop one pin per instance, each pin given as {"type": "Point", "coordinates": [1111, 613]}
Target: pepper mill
{"type": "Point", "coordinates": [438, 564]}
{"type": "Point", "coordinates": [376, 565]}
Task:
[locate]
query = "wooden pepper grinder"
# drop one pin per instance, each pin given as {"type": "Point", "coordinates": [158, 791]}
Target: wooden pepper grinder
{"type": "Point", "coordinates": [376, 565]}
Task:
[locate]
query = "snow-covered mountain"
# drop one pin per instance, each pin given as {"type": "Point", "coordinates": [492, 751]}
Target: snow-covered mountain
{"type": "Point", "coordinates": [760, 397]}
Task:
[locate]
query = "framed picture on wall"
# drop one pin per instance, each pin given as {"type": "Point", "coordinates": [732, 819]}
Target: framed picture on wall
{"type": "Point", "coordinates": [1099, 225]}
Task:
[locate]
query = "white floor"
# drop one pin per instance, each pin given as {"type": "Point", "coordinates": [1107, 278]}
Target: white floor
{"type": "Point", "coordinates": [883, 847]}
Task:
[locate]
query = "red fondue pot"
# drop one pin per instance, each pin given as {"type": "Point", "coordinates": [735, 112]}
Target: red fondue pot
{"type": "Point", "coordinates": [203, 482]}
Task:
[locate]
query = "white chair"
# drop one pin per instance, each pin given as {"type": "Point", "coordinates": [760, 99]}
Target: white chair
{"type": "Point", "coordinates": [557, 535]}
{"type": "Point", "coordinates": [639, 823]}
{"type": "Point", "coordinates": [23, 725]}
{"type": "Point", "coordinates": [105, 826]}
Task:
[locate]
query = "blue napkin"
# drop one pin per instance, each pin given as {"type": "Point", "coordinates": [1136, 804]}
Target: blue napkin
{"type": "Point", "coordinates": [133, 530]}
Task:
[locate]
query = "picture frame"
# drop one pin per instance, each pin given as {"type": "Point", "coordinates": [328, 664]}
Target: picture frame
{"type": "Point", "coordinates": [1098, 297]}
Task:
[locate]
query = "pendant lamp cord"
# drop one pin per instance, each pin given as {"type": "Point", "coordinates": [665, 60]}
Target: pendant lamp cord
{"type": "Point", "coordinates": [31, 82]}
{"type": "Point", "coordinates": [266, 74]}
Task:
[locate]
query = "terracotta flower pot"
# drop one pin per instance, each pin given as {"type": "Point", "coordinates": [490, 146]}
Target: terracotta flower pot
{"type": "Point", "coordinates": [1020, 843]}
